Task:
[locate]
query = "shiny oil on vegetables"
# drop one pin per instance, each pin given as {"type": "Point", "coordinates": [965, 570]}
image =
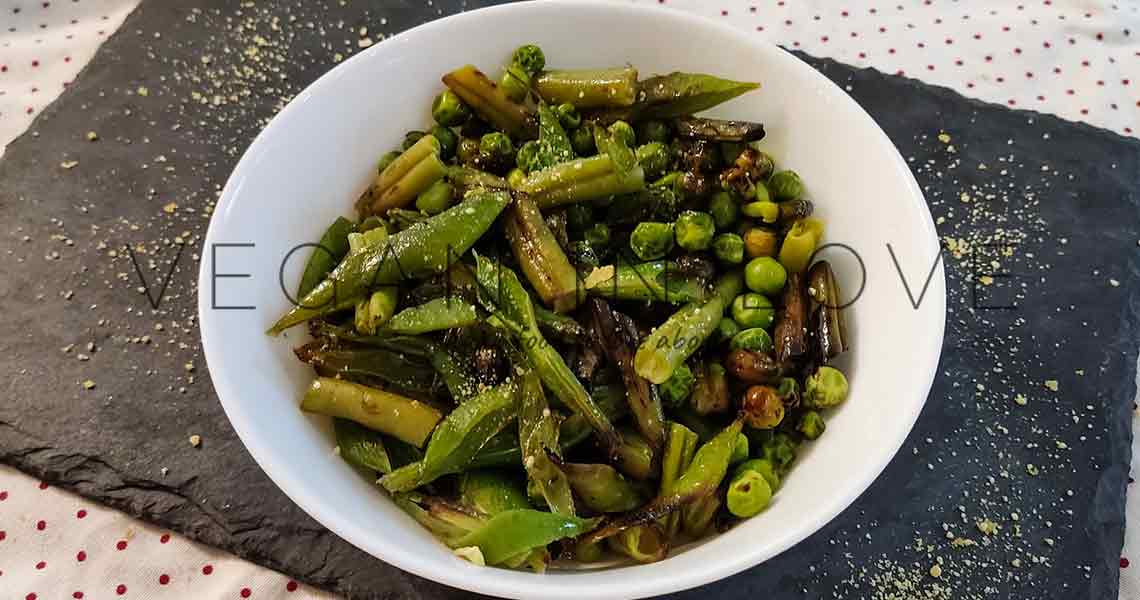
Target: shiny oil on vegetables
{"type": "Point", "coordinates": [572, 319]}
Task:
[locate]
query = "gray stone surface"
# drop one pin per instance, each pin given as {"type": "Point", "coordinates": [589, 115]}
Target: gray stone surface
{"type": "Point", "coordinates": [171, 126]}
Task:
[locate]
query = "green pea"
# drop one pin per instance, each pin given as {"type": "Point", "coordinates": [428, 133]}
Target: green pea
{"type": "Point", "coordinates": [653, 131]}
{"type": "Point", "coordinates": [448, 141]}
{"type": "Point", "coordinates": [729, 248]}
{"type": "Point", "coordinates": [468, 150]}
{"type": "Point", "coordinates": [748, 494]}
{"type": "Point", "coordinates": [568, 116]}
{"type": "Point", "coordinates": [762, 466]}
{"type": "Point", "coordinates": [653, 158]}
{"type": "Point", "coordinates": [624, 132]}
{"type": "Point", "coordinates": [722, 207]}
{"type": "Point", "coordinates": [726, 329]}
{"type": "Point", "coordinates": [515, 83]}
{"type": "Point", "coordinates": [530, 57]}
{"type": "Point", "coordinates": [780, 451]}
{"type": "Point", "coordinates": [582, 141]}
{"type": "Point", "coordinates": [651, 240]}
{"type": "Point", "coordinates": [765, 275]}
{"type": "Point", "coordinates": [786, 185]}
{"type": "Point", "coordinates": [448, 110]}
{"type": "Point", "coordinates": [811, 425]}
{"type": "Point", "coordinates": [753, 310]}
{"type": "Point", "coordinates": [694, 230]}
{"type": "Point", "coordinates": [598, 236]}
{"type": "Point", "coordinates": [753, 338]}
{"type": "Point", "coordinates": [436, 199]}
{"type": "Point", "coordinates": [825, 388]}
{"type": "Point", "coordinates": [496, 144]}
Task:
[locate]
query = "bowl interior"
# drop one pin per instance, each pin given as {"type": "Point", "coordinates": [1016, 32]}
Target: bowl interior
{"type": "Point", "coordinates": [317, 156]}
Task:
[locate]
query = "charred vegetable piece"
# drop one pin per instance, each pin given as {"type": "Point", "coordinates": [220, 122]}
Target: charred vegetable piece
{"type": "Point", "coordinates": [466, 179]}
{"type": "Point", "coordinates": [619, 337]}
{"type": "Point", "coordinates": [700, 479]}
{"type": "Point", "coordinates": [698, 517]}
{"type": "Point", "coordinates": [710, 391]}
{"type": "Point", "coordinates": [634, 456]}
{"type": "Point", "coordinates": [424, 249]}
{"type": "Point", "coordinates": [541, 258]}
{"type": "Point", "coordinates": [644, 543]}
{"type": "Point", "coordinates": [398, 185]}
{"type": "Point", "coordinates": [369, 365]}
{"type": "Point", "coordinates": [403, 418]}
{"type": "Point", "coordinates": [762, 408]}
{"type": "Point", "coordinates": [718, 130]}
{"type": "Point", "coordinates": [679, 336]}
{"type": "Point", "coordinates": [458, 439]}
{"type": "Point", "coordinates": [790, 338]}
{"type": "Point", "coordinates": [678, 94]}
{"type": "Point", "coordinates": [659, 281]}
{"type": "Point", "coordinates": [829, 329]}
{"type": "Point", "coordinates": [753, 367]}
{"type": "Point", "coordinates": [503, 296]}
{"type": "Point", "coordinates": [680, 444]}
{"type": "Point", "coordinates": [589, 88]}
{"type": "Point", "coordinates": [578, 180]}
{"type": "Point", "coordinates": [601, 487]}
{"type": "Point", "coordinates": [759, 241]}
{"type": "Point", "coordinates": [747, 173]}
{"type": "Point", "coordinates": [538, 440]}
{"type": "Point", "coordinates": [491, 103]}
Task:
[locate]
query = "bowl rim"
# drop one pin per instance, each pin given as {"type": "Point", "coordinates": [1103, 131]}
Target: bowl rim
{"type": "Point", "coordinates": [539, 585]}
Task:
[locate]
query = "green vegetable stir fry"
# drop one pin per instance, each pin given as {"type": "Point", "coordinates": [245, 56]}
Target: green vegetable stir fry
{"type": "Point", "coordinates": [573, 319]}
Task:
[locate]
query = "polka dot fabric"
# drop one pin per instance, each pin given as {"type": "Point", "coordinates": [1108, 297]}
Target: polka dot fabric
{"type": "Point", "coordinates": [1078, 60]}
{"type": "Point", "coordinates": [56, 545]}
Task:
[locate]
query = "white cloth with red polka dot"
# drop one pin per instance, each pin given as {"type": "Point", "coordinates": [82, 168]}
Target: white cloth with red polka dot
{"type": "Point", "coordinates": [1075, 59]}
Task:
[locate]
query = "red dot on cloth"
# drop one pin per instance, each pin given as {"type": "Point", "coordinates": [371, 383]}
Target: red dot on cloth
{"type": "Point", "coordinates": [989, 58]}
{"type": "Point", "coordinates": [81, 556]}
{"type": "Point", "coordinates": [1017, 50]}
{"type": "Point", "coordinates": [206, 570]}
{"type": "Point", "coordinates": [1123, 563]}
{"type": "Point", "coordinates": [1029, 74]}
{"type": "Point", "coordinates": [82, 513]}
{"type": "Point", "coordinates": [921, 45]}
{"type": "Point", "coordinates": [1084, 111]}
{"type": "Point", "coordinates": [882, 30]}
{"type": "Point", "coordinates": [43, 484]}
{"type": "Point", "coordinates": [1100, 36]}
{"type": "Point", "coordinates": [36, 63]}
{"type": "Point", "coordinates": [1048, 45]}
{"type": "Point", "coordinates": [1041, 98]}
{"type": "Point", "coordinates": [77, 595]}
{"type": "Point", "coordinates": [1005, 28]}
{"type": "Point", "coordinates": [1084, 63]}
{"type": "Point", "coordinates": [969, 84]}
{"type": "Point", "coordinates": [30, 110]}
{"type": "Point", "coordinates": [40, 565]}
{"type": "Point", "coordinates": [949, 41]}
{"type": "Point", "coordinates": [31, 596]}
{"type": "Point", "coordinates": [165, 538]}
{"type": "Point", "coordinates": [41, 525]}
{"type": "Point", "coordinates": [788, 22]}
{"type": "Point", "coordinates": [3, 535]}
{"type": "Point", "coordinates": [1000, 79]}
{"type": "Point", "coordinates": [1070, 92]}
{"type": "Point", "coordinates": [929, 67]}
{"type": "Point", "coordinates": [1127, 130]}
{"type": "Point", "coordinates": [245, 593]}
{"type": "Point", "coordinates": [958, 62]}
{"type": "Point", "coordinates": [1057, 70]}
{"type": "Point", "coordinates": [163, 579]}
{"type": "Point", "coordinates": [977, 36]}
{"type": "Point", "coordinates": [890, 51]}
{"type": "Point", "coordinates": [121, 545]}
{"type": "Point", "coordinates": [1124, 82]}
{"type": "Point", "coordinates": [752, 9]}
{"type": "Point", "coordinates": [862, 55]}
{"type": "Point", "coordinates": [67, 59]}
{"type": "Point", "coordinates": [823, 39]}
{"type": "Point", "coordinates": [4, 495]}
{"type": "Point", "coordinates": [291, 586]}
{"type": "Point", "coordinates": [120, 589]}
{"type": "Point", "coordinates": [724, 13]}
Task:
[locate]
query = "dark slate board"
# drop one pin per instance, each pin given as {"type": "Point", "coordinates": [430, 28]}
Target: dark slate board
{"type": "Point", "coordinates": [1065, 193]}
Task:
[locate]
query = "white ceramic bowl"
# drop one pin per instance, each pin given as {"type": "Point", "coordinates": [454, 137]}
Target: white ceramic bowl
{"type": "Point", "coordinates": [317, 155]}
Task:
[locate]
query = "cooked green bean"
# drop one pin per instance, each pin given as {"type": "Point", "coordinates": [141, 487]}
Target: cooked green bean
{"type": "Point", "coordinates": [589, 88]}
{"type": "Point", "coordinates": [403, 418]}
